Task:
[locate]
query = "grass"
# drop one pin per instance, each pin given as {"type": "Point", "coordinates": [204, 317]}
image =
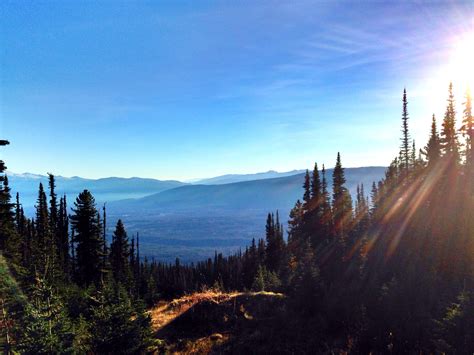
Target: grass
{"type": "Point", "coordinates": [204, 322]}
{"type": "Point", "coordinates": [165, 312]}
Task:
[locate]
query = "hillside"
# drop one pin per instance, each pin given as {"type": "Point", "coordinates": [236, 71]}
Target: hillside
{"type": "Point", "coordinates": [270, 194]}
{"type": "Point", "coordinates": [12, 302]}
{"type": "Point", "coordinates": [215, 322]}
{"type": "Point", "coordinates": [193, 221]}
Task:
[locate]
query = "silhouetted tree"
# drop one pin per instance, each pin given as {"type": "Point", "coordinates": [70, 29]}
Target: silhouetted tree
{"type": "Point", "coordinates": [88, 240]}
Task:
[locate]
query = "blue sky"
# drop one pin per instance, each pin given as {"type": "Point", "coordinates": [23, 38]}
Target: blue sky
{"type": "Point", "coordinates": [180, 90]}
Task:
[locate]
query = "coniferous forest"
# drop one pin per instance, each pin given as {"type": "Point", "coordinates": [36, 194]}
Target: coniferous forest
{"type": "Point", "coordinates": [390, 270]}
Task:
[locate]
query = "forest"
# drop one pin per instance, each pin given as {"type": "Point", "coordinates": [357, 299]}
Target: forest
{"type": "Point", "coordinates": [388, 271]}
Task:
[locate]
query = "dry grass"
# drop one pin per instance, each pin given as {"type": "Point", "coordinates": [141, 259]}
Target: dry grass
{"type": "Point", "coordinates": [211, 330]}
{"type": "Point", "coordinates": [165, 312]}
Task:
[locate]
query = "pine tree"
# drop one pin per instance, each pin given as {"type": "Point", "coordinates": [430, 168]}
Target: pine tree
{"type": "Point", "coordinates": [449, 138]}
{"type": "Point", "coordinates": [307, 191]}
{"type": "Point", "coordinates": [117, 326]}
{"type": "Point", "coordinates": [18, 216]}
{"type": "Point", "coordinates": [63, 236]}
{"type": "Point", "coordinates": [374, 196]}
{"type": "Point", "coordinates": [295, 232]}
{"type": "Point", "coordinates": [53, 204]}
{"type": "Point", "coordinates": [47, 327]}
{"type": "Point", "coordinates": [326, 212]}
{"type": "Point", "coordinates": [120, 254]}
{"type": "Point", "coordinates": [342, 203]}
{"type": "Point", "coordinates": [467, 130]}
{"type": "Point", "coordinates": [43, 245]}
{"type": "Point", "coordinates": [56, 253]}
{"type": "Point", "coordinates": [405, 146]}
{"type": "Point", "coordinates": [433, 148]}
{"type": "Point", "coordinates": [88, 240]}
{"type": "Point", "coordinates": [413, 155]}
{"type": "Point", "coordinates": [316, 185]}
{"type": "Point", "coordinates": [274, 244]}
{"type": "Point", "coordinates": [9, 238]}
{"type": "Point", "coordinates": [313, 219]}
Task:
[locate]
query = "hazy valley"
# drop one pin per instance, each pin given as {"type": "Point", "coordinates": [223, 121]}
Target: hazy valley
{"type": "Point", "coordinates": [191, 221]}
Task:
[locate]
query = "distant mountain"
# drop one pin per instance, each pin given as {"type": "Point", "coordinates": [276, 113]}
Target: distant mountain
{"type": "Point", "coordinates": [190, 221]}
{"type": "Point", "coordinates": [104, 190]}
{"type": "Point", "coordinates": [272, 194]}
{"type": "Point", "coordinates": [231, 178]}
{"type": "Point", "coordinates": [194, 220]}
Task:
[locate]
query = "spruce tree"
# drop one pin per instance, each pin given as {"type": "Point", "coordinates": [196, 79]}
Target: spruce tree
{"type": "Point", "coordinates": [307, 190]}
{"type": "Point", "coordinates": [88, 240]}
{"type": "Point", "coordinates": [120, 254]}
{"type": "Point", "coordinates": [63, 235]}
{"type": "Point", "coordinates": [405, 146]}
{"type": "Point", "coordinates": [449, 138]}
{"type": "Point", "coordinates": [326, 212]}
{"type": "Point", "coordinates": [295, 232]}
{"type": "Point", "coordinates": [468, 130]}
{"type": "Point", "coordinates": [433, 148]}
{"type": "Point", "coordinates": [48, 330]}
{"type": "Point", "coordinates": [413, 155]}
{"type": "Point", "coordinates": [18, 217]}
{"type": "Point", "coordinates": [316, 185]}
{"type": "Point", "coordinates": [374, 194]}
{"type": "Point", "coordinates": [43, 245]}
{"type": "Point", "coordinates": [9, 238]}
{"type": "Point", "coordinates": [342, 203]}
{"type": "Point", "coordinates": [6, 215]}
{"type": "Point", "coordinates": [57, 257]}
{"type": "Point", "coordinates": [274, 244]}
{"type": "Point", "coordinates": [53, 204]}
{"type": "Point", "coordinates": [313, 219]}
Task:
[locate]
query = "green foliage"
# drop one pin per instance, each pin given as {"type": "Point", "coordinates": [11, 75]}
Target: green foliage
{"type": "Point", "coordinates": [12, 304]}
{"type": "Point", "coordinates": [455, 329]}
{"type": "Point", "coordinates": [88, 240]}
{"type": "Point", "coordinates": [120, 255]}
{"type": "Point", "coordinates": [117, 326]}
{"type": "Point", "coordinates": [266, 280]}
{"type": "Point", "coordinates": [368, 278]}
{"type": "Point", "coordinates": [449, 138]}
{"type": "Point", "coordinates": [47, 329]}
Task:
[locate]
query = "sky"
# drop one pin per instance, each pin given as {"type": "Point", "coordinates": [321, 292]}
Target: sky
{"type": "Point", "coordinates": [194, 89]}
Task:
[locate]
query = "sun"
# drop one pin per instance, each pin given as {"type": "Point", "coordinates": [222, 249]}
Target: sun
{"type": "Point", "coordinates": [457, 67]}
{"type": "Point", "coordinates": [461, 64]}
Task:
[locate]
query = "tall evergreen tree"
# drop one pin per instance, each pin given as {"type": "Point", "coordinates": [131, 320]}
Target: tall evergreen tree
{"type": "Point", "coordinates": [342, 202]}
{"type": "Point", "coordinates": [9, 238]}
{"type": "Point", "coordinates": [88, 240]}
{"type": "Point", "coordinates": [313, 217]}
{"type": "Point", "coordinates": [449, 138]}
{"type": "Point", "coordinates": [307, 190]}
{"type": "Point", "coordinates": [274, 244]}
{"type": "Point", "coordinates": [413, 155]}
{"type": "Point", "coordinates": [326, 212]}
{"type": "Point", "coordinates": [316, 185]}
{"type": "Point", "coordinates": [63, 235]}
{"type": "Point", "coordinates": [53, 203]}
{"type": "Point", "coordinates": [43, 246]}
{"type": "Point", "coordinates": [468, 130]}
{"type": "Point", "coordinates": [433, 148]}
{"type": "Point", "coordinates": [120, 254]}
{"type": "Point", "coordinates": [405, 146]}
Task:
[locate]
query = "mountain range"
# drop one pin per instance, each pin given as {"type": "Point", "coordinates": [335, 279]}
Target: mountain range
{"type": "Point", "coordinates": [191, 221]}
{"type": "Point", "coordinates": [104, 190]}
{"type": "Point", "coordinates": [230, 178]}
